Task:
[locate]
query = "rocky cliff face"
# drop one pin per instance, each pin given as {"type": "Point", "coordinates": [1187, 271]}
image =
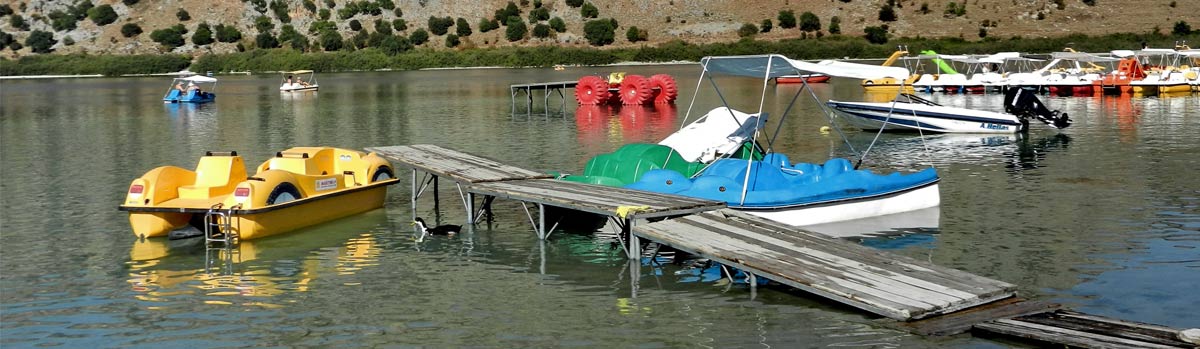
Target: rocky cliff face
{"type": "Point", "coordinates": [688, 20]}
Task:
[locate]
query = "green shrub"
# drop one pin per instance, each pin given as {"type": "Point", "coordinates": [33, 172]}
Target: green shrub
{"type": "Point", "coordinates": [509, 10]}
{"type": "Point", "coordinates": [382, 26]}
{"type": "Point", "coordinates": [924, 8]}
{"type": "Point", "coordinates": [203, 35]}
{"type": "Point", "coordinates": [541, 31]}
{"type": "Point", "coordinates": [982, 32]}
{"type": "Point", "coordinates": [574, 3]}
{"type": "Point", "coordinates": [440, 26]}
{"type": "Point", "coordinates": [1089, 2]}
{"type": "Point", "coordinates": [787, 19]}
{"type": "Point", "coordinates": [16, 21]}
{"type": "Point", "coordinates": [310, 6]}
{"type": "Point", "coordinates": [68, 41]}
{"type": "Point", "coordinates": [102, 15]}
{"type": "Point", "coordinates": [323, 14]}
{"type": "Point", "coordinates": [179, 28]}
{"type": "Point", "coordinates": [61, 21]}
{"type": "Point", "coordinates": [6, 10]}
{"type": "Point", "coordinates": [418, 37]}
{"type": "Point", "coordinates": [228, 33]}
{"type": "Point", "coordinates": [394, 45]}
{"type": "Point", "coordinates": [360, 39]}
{"type": "Point", "coordinates": [809, 22]}
{"type": "Point", "coordinates": [355, 25]}
{"type": "Point", "coordinates": [170, 37]}
{"type": "Point", "coordinates": [266, 40]}
{"type": "Point", "coordinates": [539, 14]}
{"type": "Point", "coordinates": [130, 30]}
{"type": "Point", "coordinates": [452, 40]}
{"type": "Point", "coordinates": [558, 25]}
{"type": "Point", "coordinates": [487, 25]}
{"type": "Point", "coordinates": [1181, 28]}
{"type": "Point", "coordinates": [263, 24]}
{"type": "Point", "coordinates": [399, 24]}
{"type": "Point", "coordinates": [462, 28]}
{"type": "Point", "coordinates": [331, 40]}
{"type": "Point", "coordinates": [589, 11]}
{"type": "Point", "coordinates": [887, 13]}
{"type": "Point", "coordinates": [876, 35]}
{"type": "Point", "coordinates": [40, 41]}
{"type": "Point", "coordinates": [280, 9]}
{"type": "Point", "coordinates": [747, 30]}
{"type": "Point", "coordinates": [183, 15]}
{"type": "Point", "coordinates": [516, 29]}
{"type": "Point", "coordinates": [110, 65]}
{"type": "Point", "coordinates": [765, 26]}
{"type": "Point", "coordinates": [835, 25]}
{"type": "Point", "coordinates": [129, 2]}
{"type": "Point", "coordinates": [599, 32]}
{"type": "Point", "coordinates": [6, 39]}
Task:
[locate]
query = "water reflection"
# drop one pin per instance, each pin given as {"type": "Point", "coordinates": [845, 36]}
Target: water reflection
{"type": "Point", "coordinates": [161, 269]}
{"type": "Point", "coordinates": [600, 127]}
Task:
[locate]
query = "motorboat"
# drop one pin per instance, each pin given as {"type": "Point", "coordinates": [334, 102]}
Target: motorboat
{"type": "Point", "coordinates": [298, 187]}
{"type": "Point", "coordinates": [192, 89]}
{"type": "Point", "coordinates": [763, 182]}
{"type": "Point", "coordinates": [911, 113]}
{"type": "Point", "coordinates": [293, 81]}
{"type": "Point", "coordinates": [801, 78]}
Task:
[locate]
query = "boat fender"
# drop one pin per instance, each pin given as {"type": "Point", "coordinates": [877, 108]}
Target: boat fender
{"type": "Point", "coordinates": [383, 173]}
{"type": "Point", "coordinates": [825, 130]}
{"type": "Point", "coordinates": [282, 193]}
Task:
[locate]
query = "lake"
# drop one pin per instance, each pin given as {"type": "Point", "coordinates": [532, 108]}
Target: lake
{"type": "Point", "coordinates": [1103, 217]}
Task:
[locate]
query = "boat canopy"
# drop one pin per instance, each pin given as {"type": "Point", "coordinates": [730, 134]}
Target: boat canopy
{"type": "Point", "coordinates": [1082, 57]}
{"type": "Point", "coordinates": [774, 65]}
{"type": "Point", "coordinates": [199, 78]}
{"type": "Point", "coordinates": [297, 72]}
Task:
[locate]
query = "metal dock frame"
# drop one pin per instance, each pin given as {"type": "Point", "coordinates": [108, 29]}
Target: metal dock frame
{"type": "Point", "coordinates": [555, 86]}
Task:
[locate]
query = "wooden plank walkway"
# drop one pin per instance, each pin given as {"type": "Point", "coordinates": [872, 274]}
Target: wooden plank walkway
{"type": "Point", "coordinates": [1080, 330]}
{"type": "Point", "coordinates": [458, 166]}
{"type": "Point", "coordinates": [886, 284]}
{"type": "Point", "coordinates": [597, 199]}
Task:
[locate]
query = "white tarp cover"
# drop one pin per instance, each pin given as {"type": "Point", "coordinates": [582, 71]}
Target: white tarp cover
{"type": "Point", "coordinates": [773, 66]}
{"type": "Point", "coordinates": [199, 78]}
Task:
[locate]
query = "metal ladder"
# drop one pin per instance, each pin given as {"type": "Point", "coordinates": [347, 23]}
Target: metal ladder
{"type": "Point", "coordinates": [223, 222]}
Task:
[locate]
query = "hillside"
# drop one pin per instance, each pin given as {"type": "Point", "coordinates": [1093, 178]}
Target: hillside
{"type": "Point", "coordinates": [696, 21]}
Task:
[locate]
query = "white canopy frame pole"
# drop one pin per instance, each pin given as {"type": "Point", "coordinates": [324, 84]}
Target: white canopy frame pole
{"type": "Point", "coordinates": [762, 99]}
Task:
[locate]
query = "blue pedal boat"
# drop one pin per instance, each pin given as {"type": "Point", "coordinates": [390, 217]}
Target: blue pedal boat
{"type": "Point", "coordinates": [192, 89]}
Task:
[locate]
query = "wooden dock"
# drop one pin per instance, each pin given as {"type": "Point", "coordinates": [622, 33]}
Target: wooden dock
{"type": "Point", "coordinates": [925, 298]}
{"type": "Point", "coordinates": [889, 285]}
{"type": "Point", "coordinates": [548, 87]}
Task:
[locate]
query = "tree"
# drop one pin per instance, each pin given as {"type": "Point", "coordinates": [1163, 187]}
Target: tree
{"type": "Point", "coordinates": [281, 11]}
{"type": "Point", "coordinates": [203, 35]}
{"type": "Point", "coordinates": [1181, 28]}
{"type": "Point", "coordinates": [170, 37]}
{"type": "Point", "coordinates": [102, 15]}
{"type": "Point", "coordinates": [887, 13]}
{"type": "Point", "coordinates": [323, 14]}
{"type": "Point", "coordinates": [835, 25]}
{"type": "Point", "coordinates": [382, 26]}
{"type": "Point", "coordinates": [809, 22]}
{"type": "Point", "coordinates": [130, 30]}
{"type": "Point", "coordinates": [263, 24]}
{"type": "Point", "coordinates": [439, 26]}
{"type": "Point", "coordinates": [183, 15]}
{"type": "Point", "coordinates": [487, 25]}
{"type": "Point", "coordinates": [394, 45]}
{"type": "Point", "coordinates": [61, 21]}
{"type": "Point", "coordinates": [360, 40]}
{"type": "Point", "coordinates": [6, 39]}
{"type": "Point", "coordinates": [748, 30]}
{"type": "Point", "coordinates": [766, 25]}
{"type": "Point", "coordinates": [558, 25]}
{"type": "Point", "coordinates": [589, 11]}
{"type": "Point", "coordinates": [501, 15]}
{"type": "Point", "coordinates": [355, 25]}
{"type": "Point", "coordinates": [310, 6]}
{"type": "Point", "coordinates": [574, 3]}
{"type": "Point", "coordinates": [40, 41]}
{"type": "Point", "coordinates": [418, 37]}
{"type": "Point", "coordinates": [6, 10]}
{"type": "Point", "coordinates": [399, 24]}
{"type": "Point", "coordinates": [541, 31]}
{"type": "Point", "coordinates": [634, 34]}
{"type": "Point", "coordinates": [331, 40]}
{"type": "Point", "coordinates": [266, 40]}
{"type": "Point", "coordinates": [876, 35]}
{"type": "Point", "coordinates": [539, 14]}
{"type": "Point", "coordinates": [787, 19]}
{"type": "Point", "coordinates": [452, 40]}
{"type": "Point", "coordinates": [462, 28]}
{"type": "Point", "coordinates": [516, 29]}
{"type": "Point", "coordinates": [228, 33]}
{"type": "Point", "coordinates": [599, 32]}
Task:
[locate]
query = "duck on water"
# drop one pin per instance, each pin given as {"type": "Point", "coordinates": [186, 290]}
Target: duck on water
{"type": "Point", "coordinates": [448, 230]}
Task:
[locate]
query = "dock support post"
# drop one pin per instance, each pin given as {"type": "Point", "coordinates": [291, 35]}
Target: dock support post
{"type": "Point", "coordinates": [635, 243]}
{"type": "Point", "coordinates": [436, 202]}
{"type": "Point", "coordinates": [541, 228]}
{"type": "Point", "coordinates": [470, 208]}
{"type": "Point", "coordinates": [753, 285]}
{"type": "Point", "coordinates": [635, 276]}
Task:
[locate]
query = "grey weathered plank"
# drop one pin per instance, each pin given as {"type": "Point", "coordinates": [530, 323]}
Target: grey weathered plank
{"type": "Point", "coordinates": [544, 85]}
{"type": "Point", "coordinates": [1071, 320]}
{"type": "Point", "coordinates": [453, 164]}
{"type": "Point", "coordinates": [962, 321]}
{"type": "Point", "coordinates": [890, 285]}
{"type": "Point", "coordinates": [594, 198]}
{"type": "Point", "coordinates": [1052, 334]}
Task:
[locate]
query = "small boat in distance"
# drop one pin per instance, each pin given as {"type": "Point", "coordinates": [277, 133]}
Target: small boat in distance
{"type": "Point", "coordinates": [298, 187]}
{"type": "Point", "coordinates": [801, 78]}
{"type": "Point", "coordinates": [293, 81]}
{"type": "Point", "coordinates": [191, 89]}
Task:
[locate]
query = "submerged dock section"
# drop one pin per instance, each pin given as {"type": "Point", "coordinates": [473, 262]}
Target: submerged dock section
{"type": "Point", "coordinates": [890, 285]}
{"type": "Point", "coordinates": [548, 87]}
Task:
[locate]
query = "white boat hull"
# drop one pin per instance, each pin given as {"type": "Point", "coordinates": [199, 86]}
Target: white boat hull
{"type": "Point", "coordinates": [927, 118]}
{"type": "Point", "coordinates": [892, 203]}
{"type": "Point", "coordinates": [297, 88]}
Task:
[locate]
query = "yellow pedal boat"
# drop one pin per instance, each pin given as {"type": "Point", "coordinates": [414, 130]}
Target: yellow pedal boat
{"type": "Point", "coordinates": [298, 187]}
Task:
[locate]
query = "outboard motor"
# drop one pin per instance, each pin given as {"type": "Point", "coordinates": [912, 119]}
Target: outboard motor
{"type": "Point", "coordinates": [1025, 105]}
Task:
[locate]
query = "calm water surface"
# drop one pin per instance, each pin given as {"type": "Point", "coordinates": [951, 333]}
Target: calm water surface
{"type": "Point", "coordinates": [1104, 218]}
